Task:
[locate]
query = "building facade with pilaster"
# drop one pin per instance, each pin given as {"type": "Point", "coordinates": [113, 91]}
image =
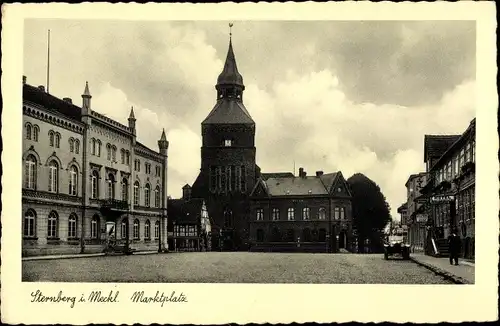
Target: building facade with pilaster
{"type": "Point", "coordinates": [88, 184]}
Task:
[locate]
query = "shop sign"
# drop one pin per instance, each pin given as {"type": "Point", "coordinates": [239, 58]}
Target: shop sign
{"type": "Point", "coordinates": [442, 199]}
{"type": "Point", "coordinates": [421, 218]}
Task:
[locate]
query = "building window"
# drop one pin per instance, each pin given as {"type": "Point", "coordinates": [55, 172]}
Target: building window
{"type": "Point", "coordinates": [30, 172]}
{"type": "Point", "coordinates": [93, 146]}
{"type": "Point", "coordinates": [73, 180]}
{"type": "Point", "coordinates": [322, 213]}
{"type": "Point", "coordinates": [276, 214]}
{"type": "Point", "coordinates": [237, 178]}
{"type": "Point", "coordinates": [228, 143]}
{"type": "Point", "coordinates": [260, 235]}
{"type": "Point", "coordinates": [95, 184]}
{"type": "Point", "coordinates": [462, 158]}
{"type": "Point", "coordinates": [136, 229]}
{"type": "Point", "coordinates": [306, 235]}
{"type": "Point", "coordinates": [94, 227]}
{"type": "Point", "coordinates": [136, 193]}
{"type": "Point", "coordinates": [213, 178]}
{"type": "Point", "coordinates": [467, 152]}
{"type": "Point", "coordinates": [223, 179]}
{"type": "Point", "coordinates": [243, 186]}
{"type": "Point", "coordinates": [99, 144]}
{"type": "Point", "coordinates": [157, 229]}
{"type": "Point", "coordinates": [448, 171]}
{"type": "Point", "coordinates": [53, 176]}
{"type": "Point", "coordinates": [147, 195]}
{"type": "Point", "coordinates": [113, 153]}
{"type": "Point", "coordinates": [157, 196]}
{"type": "Point", "coordinates": [71, 145]}
{"type": "Point", "coordinates": [218, 176]}
{"type": "Point", "coordinates": [127, 157]}
{"type": "Point", "coordinates": [77, 146]}
{"type": "Point", "coordinates": [125, 189]}
{"type": "Point", "coordinates": [472, 150]}
{"type": "Point", "coordinates": [260, 214]}
{"type": "Point", "coordinates": [305, 213]}
{"type": "Point", "coordinates": [158, 171]}
{"type": "Point", "coordinates": [147, 230]}
{"type": "Point", "coordinates": [233, 178]}
{"type": "Point", "coordinates": [111, 186]}
{"type": "Point", "coordinates": [291, 214]}
{"type": "Point", "coordinates": [229, 178]}
{"type": "Point", "coordinates": [108, 151]}
{"type": "Point", "coordinates": [124, 229]}
{"type": "Point", "coordinates": [36, 131]}
{"type": "Point", "coordinates": [337, 213]}
{"type": "Point", "coordinates": [147, 166]}
{"type": "Point", "coordinates": [51, 138]}
{"type": "Point", "coordinates": [72, 226]}
{"type": "Point", "coordinates": [342, 213]}
{"type": "Point", "coordinates": [58, 139]}
{"type": "Point", "coordinates": [29, 227]}
{"type": "Point", "coordinates": [52, 225]}
{"type": "Point", "coordinates": [28, 131]}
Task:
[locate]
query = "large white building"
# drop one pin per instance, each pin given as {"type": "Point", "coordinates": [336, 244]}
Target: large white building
{"type": "Point", "coordinates": [86, 178]}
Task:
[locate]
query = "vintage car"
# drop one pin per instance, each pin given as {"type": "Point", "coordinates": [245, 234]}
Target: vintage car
{"type": "Point", "coordinates": [395, 244]}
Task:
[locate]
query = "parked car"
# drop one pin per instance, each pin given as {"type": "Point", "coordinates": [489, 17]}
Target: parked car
{"type": "Point", "coordinates": [396, 244]}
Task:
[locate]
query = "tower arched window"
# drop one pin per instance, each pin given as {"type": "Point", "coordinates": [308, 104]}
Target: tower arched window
{"type": "Point", "coordinates": [147, 195]}
{"type": "Point", "coordinates": [53, 176]}
{"type": "Point", "coordinates": [147, 230]}
{"type": "Point", "coordinates": [36, 132]}
{"type": "Point", "coordinates": [95, 184]}
{"type": "Point", "coordinates": [125, 189]}
{"type": "Point", "coordinates": [322, 213]}
{"type": "Point", "coordinates": [157, 196]}
{"type": "Point", "coordinates": [72, 226]}
{"type": "Point", "coordinates": [28, 131]}
{"type": "Point", "coordinates": [51, 138]}
{"type": "Point", "coordinates": [73, 180]}
{"type": "Point", "coordinates": [29, 227]}
{"type": "Point", "coordinates": [95, 227]}
{"type": "Point", "coordinates": [93, 146]}
{"type": "Point", "coordinates": [136, 229]}
{"type": "Point", "coordinates": [136, 193]}
{"type": "Point", "coordinates": [30, 172]}
{"type": "Point", "coordinates": [108, 152]}
{"type": "Point", "coordinates": [111, 186]}
{"type": "Point", "coordinates": [71, 145]}
{"type": "Point", "coordinates": [99, 144]}
{"type": "Point", "coordinates": [52, 225]}
{"type": "Point", "coordinates": [58, 140]}
{"type": "Point", "coordinates": [77, 146]}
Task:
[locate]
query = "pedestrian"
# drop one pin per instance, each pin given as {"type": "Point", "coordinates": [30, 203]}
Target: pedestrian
{"type": "Point", "coordinates": [454, 247]}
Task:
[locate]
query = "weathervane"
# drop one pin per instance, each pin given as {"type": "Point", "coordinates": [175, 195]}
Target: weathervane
{"type": "Point", "coordinates": [230, 33]}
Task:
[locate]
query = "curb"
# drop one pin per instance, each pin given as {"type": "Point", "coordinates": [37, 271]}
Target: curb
{"type": "Point", "coordinates": [451, 277]}
{"type": "Point", "coordinates": [61, 257]}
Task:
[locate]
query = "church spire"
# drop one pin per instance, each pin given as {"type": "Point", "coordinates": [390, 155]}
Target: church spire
{"type": "Point", "coordinates": [230, 81]}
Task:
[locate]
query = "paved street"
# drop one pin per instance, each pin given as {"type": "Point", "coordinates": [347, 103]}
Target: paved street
{"type": "Point", "coordinates": [232, 267]}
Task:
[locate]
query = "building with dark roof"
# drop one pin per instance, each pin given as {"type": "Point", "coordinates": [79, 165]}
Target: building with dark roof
{"type": "Point", "coordinates": [88, 184]}
{"type": "Point", "coordinates": [301, 213]}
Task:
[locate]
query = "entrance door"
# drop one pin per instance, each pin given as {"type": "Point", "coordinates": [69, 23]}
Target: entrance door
{"type": "Point", "coordinates": [342, 240]}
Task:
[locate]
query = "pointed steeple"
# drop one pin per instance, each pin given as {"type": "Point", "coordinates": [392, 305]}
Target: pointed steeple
{"type": "Point", "coordinates": [131, 116]}
{"type": "Point", "coordinates": [86, 92]}
{"type": "Point", "coordinates": [163, 136]}
{"type": "Point", "coordinates": [86, 97]}
{"type": "Point", "coordinates": [131, 120]}
{"type": "Point", "coordinates": [163, 143]}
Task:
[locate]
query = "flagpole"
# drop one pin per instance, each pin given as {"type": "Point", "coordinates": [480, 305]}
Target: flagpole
{"type": "Point", "coordinates": [48, 60]}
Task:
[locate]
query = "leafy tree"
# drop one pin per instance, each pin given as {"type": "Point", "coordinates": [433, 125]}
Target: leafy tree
{"type": "Point", "coordinates": [371, 211]}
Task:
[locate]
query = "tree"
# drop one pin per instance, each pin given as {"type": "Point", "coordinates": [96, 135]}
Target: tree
{"type": "Point", "coordinates": [371, 211]}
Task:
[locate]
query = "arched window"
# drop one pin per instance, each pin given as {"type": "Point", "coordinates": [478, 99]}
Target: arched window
{"type": "Point", "coordinates": [93, 147]}
{"type": "Point", "coordinates": [136, 193]}
{"type": "Point", "coordinates": [136, 229]}
{"type": "Point", "coordinates": [125, 189]}
{"type": "Point", "coordinates": [58, 139]}
{"type": "Point", "coordinates": [306, 235]}
{"type": "Point", "coordinates": [127, 157]}
{"type": "Point", "coordinates": [147, 230]}
{"type": "Point", "coordinates": [52, 225]}
{"type": "Point", "coordinates": [147, 195]}
{"type": "Point", "coordinates": [36, 132]}
{"type": "Point", "coordinates": [337, 213]}
{"type": "Point", "coordinates": [53, 176]}
{"type": "Point", "coordinates": [30, 172]}
{"type": "Point", "coordinates": [71, 145]}
{"type": "Point", "coordinates": [73, 180]}
{"type": "Point", "coordinates": [28, 131]}
{"type": "Point", "coordinates": [291, 214]}
{"type": "Point", "coordinates": [29, 227]}
{"type": "Point", "coordinates": [111, 186]}
{"type": "Point", "coordinates": [124, 229]}
{"type": "Point", "coordinates": [122, 152]}
{"type": "Point", "coordinates": [77, 146]}
{"type": "Point", "coordinates": [51, 138]}
{"type": "Point", "coordinates": [305, 213]}
{"type": "Point", "coordinates": [95, 184]}
{"type": "Point", "coordinates": [157, 196]}
{"type": "Point", "coordinates": [157, 229]}
{"type": "Point", "coordinates": [276, 214]}
{"type": "Point", "coordinates": [259, 214]}
{"type": "Point", "coordinates": [108, 150]}
{"type": "Point", "coordinates": [322, 213]}
{"type": "Point", "coordinates": [113, 153]}
{"type": "Point", "coordinates": [72, 225]}
{"type": "Point", "coordinates": [260, 235]}
{"type": "Point", "coordinates": [95, 227]}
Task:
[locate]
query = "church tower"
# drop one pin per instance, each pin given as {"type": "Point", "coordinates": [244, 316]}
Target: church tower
{"type": "Point", "coordinates": [228, 170]}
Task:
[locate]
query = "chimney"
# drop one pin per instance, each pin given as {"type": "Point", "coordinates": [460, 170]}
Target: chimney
{"type": "Point", "coordinates": [319, 173]}
{"type": "Point", "coordinates": [24, 80]}
{"type": "Point", "coordinates": [302, 173]}
{"type": "Point", "coordinates": [67, 99]}
{"type": "Point", "coordinates": [42, 88]}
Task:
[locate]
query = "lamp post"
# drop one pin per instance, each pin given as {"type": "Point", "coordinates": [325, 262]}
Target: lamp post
{"type": "Point", "coordinates": [175, 240]}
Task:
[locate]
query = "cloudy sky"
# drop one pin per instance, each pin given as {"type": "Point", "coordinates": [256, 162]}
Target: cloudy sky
{"type": "Point", "coordinates": [349, 96]}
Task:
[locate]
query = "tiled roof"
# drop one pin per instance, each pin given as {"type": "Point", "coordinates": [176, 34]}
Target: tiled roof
{"type": "Point", "coordinates": [436, 145]}
{"type": "Point", "coordinates": [183, 211]}
{"type": "Point", "coordinates": [296, 186]}
{"type": "Point", "coordinates": [144, 147]}
{"type": "Point", "coordinates": [266, 176]}
{"type": "Point", "coordinates": [51, 103]}
{"type": "Point", "coordinates": [228, 111]}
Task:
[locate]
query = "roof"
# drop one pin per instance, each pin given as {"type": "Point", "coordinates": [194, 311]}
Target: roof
{"type": "Point", "coordinates": [144, 147]}
{"type": "Point", "coordinates": [266, 176]}
{"type": "Point", "coordinates": [51, 103]}
{"type": "Point", "coordinates": [299, 186]}
{"type": "Point", "coordinates": [230, 74]}
{"type": "Point", "coordinates": [185, 211]}
{"type": "Point", "coordinates": [228, 111]}
{"type": "Point", "coordinates": [413, 176]}
{"type": "Point", "coordinates": [436, 145]}
{"type": "Point", "coordinates": [402, 207]}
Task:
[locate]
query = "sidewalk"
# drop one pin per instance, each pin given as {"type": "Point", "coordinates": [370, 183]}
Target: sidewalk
{"type": "Point", "coordinates": [48, 257]}
{"type": "Point", "coordinates": [461, 274]}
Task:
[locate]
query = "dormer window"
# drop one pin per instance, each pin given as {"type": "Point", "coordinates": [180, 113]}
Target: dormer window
{"type": "Point", "coordinates": [228, 143]}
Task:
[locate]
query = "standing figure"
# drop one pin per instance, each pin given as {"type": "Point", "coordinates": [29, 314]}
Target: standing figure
{"type": "Point", "coordinates": [454, 247]}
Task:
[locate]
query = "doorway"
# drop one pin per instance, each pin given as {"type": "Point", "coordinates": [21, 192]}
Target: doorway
{"type": "Point", "coordinates": [342, 240]}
